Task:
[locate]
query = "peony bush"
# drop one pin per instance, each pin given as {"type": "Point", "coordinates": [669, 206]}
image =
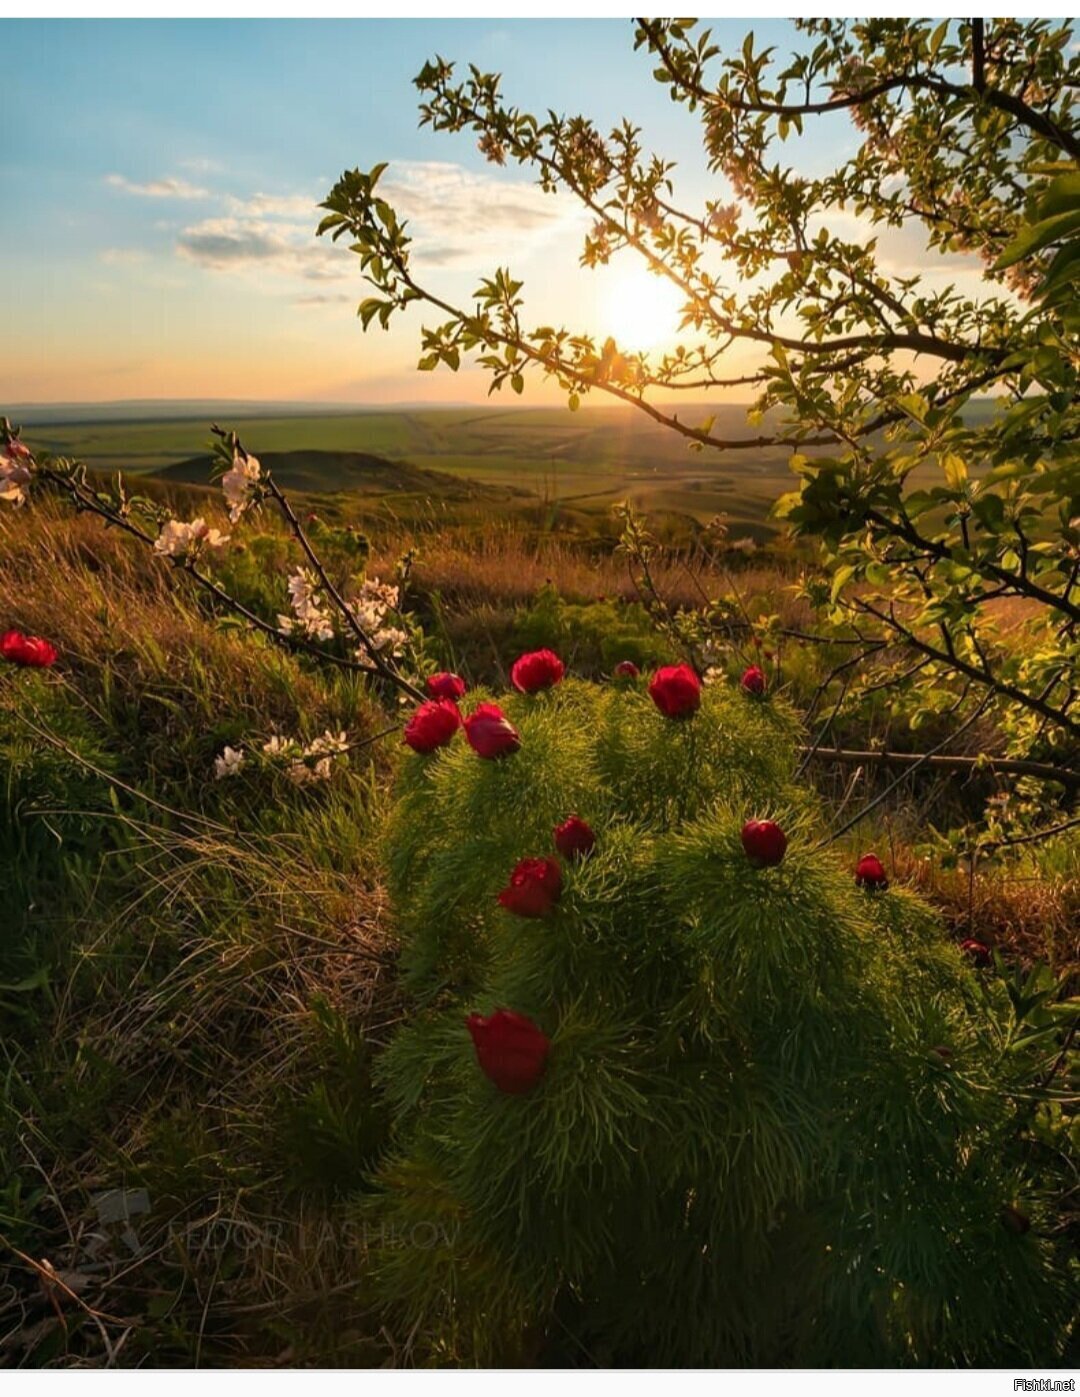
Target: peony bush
{"type": "Point", "coordinates": [680, 1086]}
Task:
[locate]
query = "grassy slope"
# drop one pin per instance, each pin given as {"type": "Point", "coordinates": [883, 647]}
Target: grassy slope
{"type": "Point", "coordinates": [200, 971]}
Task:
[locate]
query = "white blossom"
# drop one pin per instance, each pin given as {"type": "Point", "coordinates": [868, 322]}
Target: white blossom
{"type": "Point", "coordinates": [369, 609]}
{"type": "Point", "coordinates": [311, 764]}
{"type": "Point", "coordinates": [280, 746]}
{"type": "Point", "coordinates": [310, 617]}
{"type": "Point", "coordinates": [391, 639]}
{"type": "Point", "coordinates": [180, 540]}
{"type": "Point", "coordinates": [14, 479]}
{"type": "Point", "coordinates": [229, 763]}
{"type": "Point", "coordinates": [237, 483]}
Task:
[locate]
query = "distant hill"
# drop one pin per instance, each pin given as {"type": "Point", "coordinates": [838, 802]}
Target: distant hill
{"type": "Point", "coordinates": [326, 472]}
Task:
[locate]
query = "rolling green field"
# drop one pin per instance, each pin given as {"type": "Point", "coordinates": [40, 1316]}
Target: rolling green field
{"type": "Point", "coordinates": [588, 459]}
{"type": "Point", "coordinates": [580, 463]}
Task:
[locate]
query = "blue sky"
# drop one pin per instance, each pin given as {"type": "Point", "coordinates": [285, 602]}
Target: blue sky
{"type": "Point", "coordinates": [161, 180]}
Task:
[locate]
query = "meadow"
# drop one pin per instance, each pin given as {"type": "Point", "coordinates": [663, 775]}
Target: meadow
{"type": "Point", "coordinates": [583, 461]}
{"type": "Point", "coordinates": [204, 973]}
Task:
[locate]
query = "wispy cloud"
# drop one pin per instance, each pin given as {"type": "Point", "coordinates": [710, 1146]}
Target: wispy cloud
{"type": "Point", "coordinates": [457, 218]}
{"type": "Point", "coordinates": [459, 215]}
{"type": "Point", "coordinates": [238, 242]}
{"type": "Point", "coordinates": [169, 188]}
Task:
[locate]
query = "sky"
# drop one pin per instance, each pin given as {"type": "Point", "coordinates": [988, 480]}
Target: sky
{"type": "Point", "coordinates": [162, 181]}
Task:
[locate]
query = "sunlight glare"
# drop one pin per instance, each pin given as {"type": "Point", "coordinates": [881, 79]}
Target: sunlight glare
{"type": "Point", "coordinates": [641, 311]}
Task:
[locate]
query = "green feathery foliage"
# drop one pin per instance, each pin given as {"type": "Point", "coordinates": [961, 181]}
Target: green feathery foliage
{"type": "Point", "coordinates": [776, 1125]}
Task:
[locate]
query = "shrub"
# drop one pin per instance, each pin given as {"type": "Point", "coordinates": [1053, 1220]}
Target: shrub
{"type": "Point", "coordinates": [774, 1125]}
{"type": "Point", "coordinates": [597, 635]}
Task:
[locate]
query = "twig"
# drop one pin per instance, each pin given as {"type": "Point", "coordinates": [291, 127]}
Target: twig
{"type": "Point", "coordinates": [1009, 766]}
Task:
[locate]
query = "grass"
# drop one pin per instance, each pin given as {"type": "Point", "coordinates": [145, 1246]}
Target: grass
{"type": "Point", "coordinates": [199, 974]}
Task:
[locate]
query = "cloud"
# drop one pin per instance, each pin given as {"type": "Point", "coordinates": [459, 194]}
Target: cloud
{"type": "Point", "coordinates": [457, 218]}
{"type": "Point", "coordinates": [279, 206]}
{"type": "Point", "coordinates": [170, 188]}
{"type": "Point", "coordinates": [240, 243]}
{"type": "Point", "coordinates": [322, 298]}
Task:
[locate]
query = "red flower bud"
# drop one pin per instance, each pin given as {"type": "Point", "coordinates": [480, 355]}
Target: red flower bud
{"type": "Point", "coordinates": [626, 669]}
{"type": "Point", "coordinates": [541, 669]}
{"type": "Point", "coordinates": [754, 681]}
{"type": "Point", "coordinates": [432, 725]}
{"type": "Point", "coordinates": [445, 685]}
{"type": "Point", "coordinates": [28, 650]}
{"type": "Point", "coordinates": [979, 951]}
{"type": "Point", "coordinates": [764, 841]}
{"type": "Point", "coordinates": [573, 838]}
{"type": "Point", "coordinates": [676, 691]}
{"type": "Point", "coordinates": [490, 732]}
{"type": "Point", "coordinates": [870, 872]}
{"type": "Point", "coordinates": [511, 1050]}
{"type": "Point", "coordinates": [534, 888]}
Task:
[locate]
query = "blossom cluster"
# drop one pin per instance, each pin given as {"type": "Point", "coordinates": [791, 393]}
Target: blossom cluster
{"type": "Point", "coordinates": [370, 609]}
{"type": "Point", "coordinates": [15, 473]}
{"type": "Point", "coordinates": [180, 540]}
{"type": "Point", "coordinates": [239, 482]}
{"type": "Point", "coordinates": [310, 616]}
{"type": "Point", "coordinates": [303, 765]}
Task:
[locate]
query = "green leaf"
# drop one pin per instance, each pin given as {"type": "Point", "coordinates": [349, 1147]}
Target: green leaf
{"type": "Point", "coordinates": [841, 577]}
{"type": "Point", "coordinates": [1036, 236]}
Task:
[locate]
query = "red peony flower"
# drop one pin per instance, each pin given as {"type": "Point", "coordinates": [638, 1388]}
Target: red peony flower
{"type": "Point", "coordinates": [764, 841]}
{"type": "Point", "coordinates": [979, 951]}
{"type": "Point", "coordinates": [445, 685]}
{"type": "Point", "coordinates": [28, 650]}
{"type": "Point", "coordinates": [511, 1050]}
{"type": "Point", "coordinates": [541, 669]}
{"type": "Point", "coordinates": [626, 669]}
{"type": "Point", "coordinates": [432, 725]}
{"type": "Point", "coordinates": [676, 691]}
{"type": "Point", "coordinates": [573, 838]}
{"type": "Point", "coordinates": [490, 732]}
{"type": "Point", "coordinates": [754, 681]}
{"type": "Point", "coordinates": [534, 888]}
{"type": "Point", "coordinates": [870, 872]}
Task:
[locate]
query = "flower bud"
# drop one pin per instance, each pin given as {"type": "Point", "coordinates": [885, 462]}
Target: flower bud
{"type": "Point", "coordinates": [445, 685]}
{"type": "Point", "coordinates": [573, 838]}
{"type": "Point", "coordinates": [541, 669]}
{"type": "Point", "coordinates": [511, 1050]}
{"type": "Point", "coordinates": [28, 650]}
{"type": "Point", "coordinates": [534, 888]}
{"type": "Point", "coordinates": [490, 733]}
{"type": "Point", "coordinates": [870, 872]}
{"type": "Point", "coordinates": [764, 842]}
{"type": "Point", "coordinates": [676, 691]}
{"type": "Point", "coordinates": [432, 725]}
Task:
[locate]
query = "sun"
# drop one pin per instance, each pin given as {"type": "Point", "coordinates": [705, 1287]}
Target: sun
{"type": "Point", "coordinates": [641, 311]}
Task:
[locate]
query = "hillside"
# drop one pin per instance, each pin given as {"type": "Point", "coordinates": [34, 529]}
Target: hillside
{"type": "Point", "coordinates": [326, 472]}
